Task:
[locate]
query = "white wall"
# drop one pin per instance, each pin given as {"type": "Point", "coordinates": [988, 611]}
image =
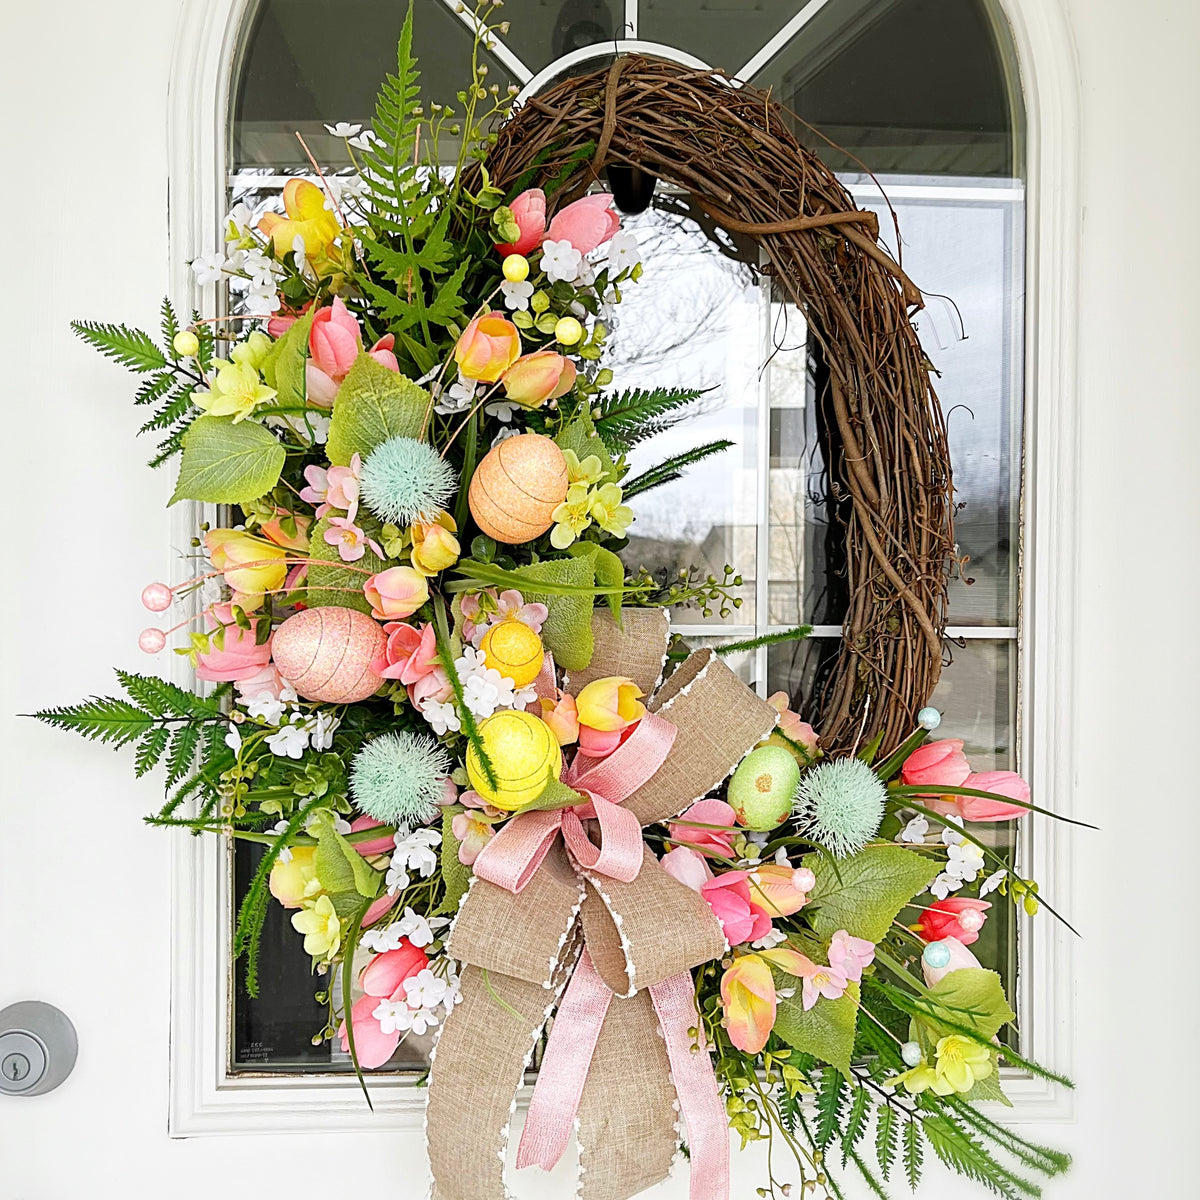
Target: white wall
{"type": "Point", "coordinates": [84, 886]}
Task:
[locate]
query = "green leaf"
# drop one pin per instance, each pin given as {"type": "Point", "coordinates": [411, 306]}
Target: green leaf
{"type": "Point", "coordinates": [886, 1138]}
{"type": "Point", "coordinates": [372, 405]}
{"type": "Point", "coordinates": [608, 569]}
{"type": "Point", "coordinates": [283, 366]}
{"type": "Point", "coordinates": [864, 892]}
{"type": "Point", "coordinates": [972, 997]}
{"type": "Point", "coordinates": [455, 875]}
{"type": "Point", "coordinates": [100, 719]}
{"type": "Point", "coordinates": [580, 436]}
{"type": "Point", "coordinates": [988, 1089]}
{"type": "Point", "coordinates": [831, 1097]}
{"type": "Point", "coordinates": [224, 463]}
{"type": "Point", "coordinates": [130, 347]}
{"type": "Point", "coordinates": [554, 795]}
{"type": "Point", "coordinates": [340, 867]}
{"type": "Point", "coordinates": [567, 630]}
{"type": "Point", "coordinates": [914, 1152]}
{"type": "Point", "coordinates": [150, 750]}
{"type": "Point", "coordinates": [332, 582]}
{"type": "Point", "coordinates": [826, 1031]}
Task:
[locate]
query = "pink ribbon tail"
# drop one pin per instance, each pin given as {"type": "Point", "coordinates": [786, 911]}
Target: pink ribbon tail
{"type": "Point", "coordinates": [569, 1049]}
{"type": "Point", "coordinates": [696, 1086]}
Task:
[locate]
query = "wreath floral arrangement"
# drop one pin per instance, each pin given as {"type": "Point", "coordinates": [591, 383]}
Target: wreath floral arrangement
{"type": "Point", "coordinates": [500, 800]}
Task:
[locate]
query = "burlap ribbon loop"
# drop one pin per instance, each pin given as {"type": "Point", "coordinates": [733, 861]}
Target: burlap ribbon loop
{"type": "Point", "coordinates": [624, 1018]}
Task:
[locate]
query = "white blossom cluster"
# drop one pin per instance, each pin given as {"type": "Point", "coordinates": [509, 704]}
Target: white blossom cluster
{"type": "Point", "coordinates": [485, 691]}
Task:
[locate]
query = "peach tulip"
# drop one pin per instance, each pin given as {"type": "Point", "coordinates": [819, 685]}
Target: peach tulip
{"type": "Point", "coordinates": [748, 995]}
{"type": "Point", "coordinates": [239, 656]}
{"type": "Point", "coordinates": [409, 654]}
{"type": "Point", "coordinates": [307, 218]}
{"type": "Point", "coordinates": [395, 593]}
{"type": "Point", "coordinates": [585, 223]}
{"type": "Point", "coordinates": [562, 716]}
{"type": "Point", "coordinates": [434, 546]}
{"type": "Point", "coordinates": [273, 530]}
{"type": "Point", "coordinates": [489, 345]}
{"type": "Point", "coordinates": [250, 565]}
{"type": "Point", "coordinates": [611, 703]}
{"type": "Point", "coordinates": [535, 378]}
{"type": "Point", "coordinates": [529, 212]}
{"type": "Point", "coordinates": [797, 737]}
{"type": "Point", "coordinates": [781, 889]}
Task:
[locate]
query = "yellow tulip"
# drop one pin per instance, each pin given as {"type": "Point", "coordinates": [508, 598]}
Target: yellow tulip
{"type": "Point", "coordinates": [489, 345]}
{"type": "Point", "coordinates": [748, 998]}
{"type": "Point", "coordinates": [289, 882]}
{"type": "Point", "coordinates": [434, 546]}
{"type": "Point", "coordinates": [250, 565]}
{"type": "Point", "coordinates": [610, 704]}
{"type": "Point", "coordinates": [307, 218]}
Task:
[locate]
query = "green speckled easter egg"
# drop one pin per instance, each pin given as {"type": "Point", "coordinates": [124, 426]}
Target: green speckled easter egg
{"type": "Point", "coordinates": [760, 791]}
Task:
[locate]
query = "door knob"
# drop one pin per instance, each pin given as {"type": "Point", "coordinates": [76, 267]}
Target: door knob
{"type": "Point", "coordinates": [38, 1047]}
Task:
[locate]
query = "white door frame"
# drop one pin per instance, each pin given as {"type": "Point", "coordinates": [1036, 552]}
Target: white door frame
{"type": "Point", "coordinates": [204, 1099]}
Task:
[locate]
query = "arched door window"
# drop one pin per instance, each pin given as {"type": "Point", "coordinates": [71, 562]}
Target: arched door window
{"type": "Point", "coordinates": [921, 92]}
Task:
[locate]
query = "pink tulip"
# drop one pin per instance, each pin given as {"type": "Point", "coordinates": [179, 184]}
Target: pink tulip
{"type": "Point", "coordinates": [383, 979]}
{"type": "Point", "coordinates": [379, 908]}
{"type": "Point", "coordinates": [529, 212]}
{"type": "Point", "coordinates": [371, 1044]}
{"type": "Point", "coordinates": [718, 842]}
{"type": "Point", "coordinates": [535, 378]}
{"type": "Point", "coordinates": [960, 959]}
{"type": "Point", "coordinates": [489, 345]}
{"type": "Point", "coordinates": [383, 352]}
{"type": "Point", "coordinates": [409, 654]}
{"type": "Point", "coordinates": [949, 918]}
{"type": "Point", "coordinates": [794, 735]}
{"type": "Point", "coordinates": [379, 845]}
{"type": "Point", "coordinates": [319, 388]}
{"type": "Point", "coordinates": [937, 762]}
{"type": "Point", "coordinates": [1001, 783]}
{"type": "Point", "coordinates": [395, 593]}
{"type": "Point", "coordinates": [687, 866]}
{"type": "Point", "coordinates": [562, 716]}
{"type": "Point", "coordinates": [277, 326]}
{"type": "Point", "coordinates": [728, 895]}
{"type": "Point", "coordinates": [434, 687]}
{"type": "Point", "coordinates": [600, 743]}
{"type": "Point", "coordinates": [334, 340]}
{"type": "Point", "coordinates": [385, 974]}
{"type": "Point", "coordinates": [586, 223]}
{"type": "Point", "coordinates": [239, 657]}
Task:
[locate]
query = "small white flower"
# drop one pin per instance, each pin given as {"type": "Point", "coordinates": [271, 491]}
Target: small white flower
{"type": "Point", "coordinates": [415, 851]}
{"type": "Point", "coordinates": [526, 695]}
{"type": "Point", "coordinates": [964, 861]}
{"type": "Point", "coordinates": [343, 129]}
{"type": "Point", "coordinates": [914, 832]}
{"type": "Point", "coordinates": [393, 1016]}
{"type": "Point", "coordinates": [423, 1019]}
{"type": "Point", "coordinates": [233, 739]}
{"type": "Point", "coordinates": [300, 252]}
{"type": "Point", "coordinates": [270, 709]}
{"type": "Point", "coordinates": [944, 884]}
{"type": "Point", "coordinates": [458, 397]}
{"type": "Point", "coordinates": [772, 939]}
{"type": "Point", "coordinates": [363, 140]}
{"type": "Point", "coordinates": [424, 989]}
{"type": "Point", "coordinates": [781, 857]}
{"type": "Point", "coordinates": [481, 696]}
{"type": "Point", "coordinates": [414, 927]}
{"type": "Point", "coordinates": [785, 994]}
{"type": "Point", "coordinates": [262, 270]}
{"type": "Point", "coordinates": [209, 268]}
{"type": "Point", "coordinates": [992, 882]}
{"type": "Point", "coordinates": [322, 726]}
{"type": "Point", "coordinates": [381, 940]}
{"type": "Point", "coordinates": [237, 222]}
{"type": "Point", "coordinates": [560, 261]}
{"type": "Point", "coordinates": [516, 294]}
{"type": "Point", "coordinates": [262, 301]}
{"type": "Point", "coordinates": [289, 741]}
{"type": "Point", "coordinates": [502, 410]}
{"type": "Point", "coordinates": [505, 433]}
{"type": "Point", "coordinates": [397, 878]}
{"type": "Point", "coordinates": [623, 252]}
{"type": "Point", "coordinates": [285, 855]}
{"type": "Point", "coordinates": [442, 718]}
{"type": "Point", "coordinates": [584, 278]}
{"type": "Point", "coordinates": [951, 836]}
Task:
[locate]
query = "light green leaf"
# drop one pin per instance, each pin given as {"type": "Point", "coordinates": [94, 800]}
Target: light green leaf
{"type": "Point", "coordinates": [988, 1089]}
{"type": "Point", "coordinates": [580, 436]}
{"type": "Point", "coordinates": [283, 366]}
{"type": "Point", "coordinates": [825, 1031]}
{"type": "Point", "coordinates": [608, 569]}
{"type": "Point", "coordinates": [224, 463]}
{"type": "Point", "coordinates": [332, 583]}
{"type": "Point", "coordinates": [970, 997]}
{"type": "Point", "coordinates": [567, 631]}
{"type": "Point", "coordinates": [340, 867]}
{"type": "Point", "coordinates": [372, 405]}
{"type": "Point", "coordinates": [554, 795]}
{"type": "Point", "coordinates": [864, 892]}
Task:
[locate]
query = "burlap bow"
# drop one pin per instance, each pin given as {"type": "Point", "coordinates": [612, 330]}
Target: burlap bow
{"type": "Point", "coordinates": [571, 912]}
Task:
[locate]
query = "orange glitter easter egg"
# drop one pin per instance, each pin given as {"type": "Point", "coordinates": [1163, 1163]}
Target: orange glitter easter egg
{"type": "Point", "coordinates": [517, 487]}
{"type": "Point", "coordinates": [326, 654]}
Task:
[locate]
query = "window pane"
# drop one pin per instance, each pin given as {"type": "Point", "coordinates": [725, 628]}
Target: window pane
{"type": "Point", "coordinates": [723, 33]}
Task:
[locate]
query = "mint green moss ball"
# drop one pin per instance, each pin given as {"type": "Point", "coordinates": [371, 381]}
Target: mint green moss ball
{"type": "Point", "coordinates": [762, 787]}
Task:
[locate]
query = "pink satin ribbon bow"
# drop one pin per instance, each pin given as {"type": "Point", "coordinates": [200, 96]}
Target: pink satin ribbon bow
{"type": "Point", "coordinates": [512, 857]}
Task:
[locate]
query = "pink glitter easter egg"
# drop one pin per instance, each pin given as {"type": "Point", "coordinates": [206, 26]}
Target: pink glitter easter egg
{"type": "Point", "coordinates": [326, 654]}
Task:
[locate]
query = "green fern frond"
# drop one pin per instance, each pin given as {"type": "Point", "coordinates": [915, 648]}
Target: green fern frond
{"type": "Point", "coordinates": [831, 1098]}
{"type": "Point", "coordinates": [958, 1150]}
{"type": "Point", "coordinates": [130, 347]}
{"type": "Point", "coordinates": [868, 1176]}
{"type": "Point", "coordinates": [164, 698]}
{"type": "Point", "coordinates": [629, 417]}
{"type": "Point", "coordinates": [856, 1122]}
{"type": "Point", "coordinates": [914, 1151]}
{"type": "Point", "coordinates": [154, 388]}
{"type": "Point", "coordinates": [100, 719]}
{"type": "Point", "coordinates": [887, 1139]}
{"type": "Point", "coordinates": [183, 753]}
{"type": "Point", "coordinates": [169, 325]}
{"type": "Point", "coordinates": [795, 634]}
{"type": "Point", "coordinates": [672, 468]}
{"type": "Point", "coordinates": [150, 750]}
{"type": "Point", "coordinates": [176, 409]}
{"type": "Point", "coordinates": [1039, 1158]}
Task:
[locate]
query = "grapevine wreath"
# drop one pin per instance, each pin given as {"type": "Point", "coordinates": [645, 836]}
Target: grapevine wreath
{"type": "Point", "coordinates": [502, 803]}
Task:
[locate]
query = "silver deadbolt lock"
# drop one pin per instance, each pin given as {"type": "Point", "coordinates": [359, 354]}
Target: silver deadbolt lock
{"type": "Point", "coordinates": [37, 1048]}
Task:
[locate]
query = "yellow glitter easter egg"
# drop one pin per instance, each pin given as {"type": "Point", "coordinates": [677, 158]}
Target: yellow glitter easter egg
{"type": "Point", "coordinates": [514, 650]}
{"type": "Point", "coordinates": [517, 487]}
{"type": "Point", "coordinates": [524, 754]}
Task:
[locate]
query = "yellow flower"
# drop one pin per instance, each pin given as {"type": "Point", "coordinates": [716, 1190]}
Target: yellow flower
{"type": "Point", "coordinates": [434, 546]}
{"type": "Point", "coordinates": [253, 351]}
{"type": "Point", "coordinates": [608, 704]}
{"type": "Point", "coordinates": [250, 565]}
{"type": "Point", "coordinates": [588, 471]}
{"type": "Point", "coordinates": [290, 880]}
{"type": "Point", "coordinates": [608, 512]}
{"type": "Point", "coordinates": [958, 1064]}
{"type": "Point", "coordinates": [321, 927]}
{"type": "Point", "coordinates": [307, 218]}
{"type": "Point", "coordinates": [236, 390]}
{"type": "Point", "coordinates": [571, 517]}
